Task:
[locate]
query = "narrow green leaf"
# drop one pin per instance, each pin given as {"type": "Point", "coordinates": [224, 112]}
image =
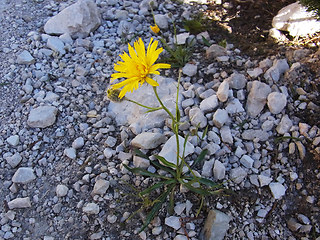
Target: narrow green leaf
{"type": "Point", "coordinates": [156, 164]}
{"type": "Point", "coordinates": [156, 186]}
{"type": "Point", "coordinates": [178, 116]}
{"type": "Point", "coordinates": [143, 172]}
{"type": "Point", "coordinates": [165, 162]}
{"type": "Point", "coordinates": [200, 191]}
{"type": "Point", "coordinates": [205, 41]}
{"type": "Point", "coordinates": [200, 158]}
{"type": "Point", "coordinates": [205, 132]}
{"type": "Point", "coordinates": [171, 202]}
{"type": "Point", "coordinates": [209, 183]}
{"type": "Point", "coordinates": [140, 154]}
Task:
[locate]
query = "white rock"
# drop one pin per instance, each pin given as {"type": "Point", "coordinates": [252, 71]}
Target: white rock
{"type": "Point", "coordinates": [264, 180]}
{"type": "Point", "coordinates": [220, 117]}
{"type": "Point", "coordinates": [173, 222]}
{"type": "Point", "coordinates": [219, 170]}
{"type": "Point", "coordinates": [14, 160]}
{"type": "Point", "coordinates": [141, 162]}
{"type": "Point", "coordinates": [197, 117]}
{"type": "Point", "coordinates": [212, 148]}
{"type": "Point", "coordinates": [207, 168]}
{"type": "Point", "coordinates": [238, 174]}
{"type": "Point", "coordinates": [78, 20]}
{"type": "Point", "coordinates": [267, 125]}
{"type": "Point", "coordinates": [295, 19]}
{"type": "Point", "coordinates": [181, 237]}
{"type": "Point", "coordinates": [252, 134]}
{"type": "Point", "coordinates": [239, 152]}
{"type": "Point", "coordinates": [276, 102]}
{"type": "Point", "coordinates": [179, 208]}
{"type": "Point", "coordinates": [91, 208]}
{"type": "Point", "coordinates": [55, 44]}
{"type": "Point", "coordinates": [42, 117]}
{"type": "Point", "coordinates": [226, 135]}
{"type": "Point", "coordinates": [257, 98]}
{"type": "Point", "coordinates": [148, 140]}
{"type": "Point", "coordinates": [255, 72]}
{"type": "Point", "coordinates": [234, 106]}
{"type": "Point", "coordinates": [161, 21]}
{"type": "Point", "coordinates": [279, 67]}
{"type": "Point", "coordinates": [70, 153]}
{"type": "Point", "coordinates": [284, 125]}
{"type": "Point", "coordinates": [61, 190]}
{"type": "Point", "coordinates": [247, 161]}
{"type": "Point", "coordinates": [223, 91]}
{"type": "Point", "coordinates": [169, 150]}
{"type": "Point", "coordinates": [277, 190]}
{"type": "Point", "coordinates": [215, 226]}
{"type": "Point", "coordinates": [190, 69]}
{"type": "Point", "coordinates": [112, 218]}
{"type": "Point", "coordinates": [215, 51]}
{"type": "Point", "coordinates": [209, 104]}
{"type": "Point", "coordinates": [19, 203]}
{"type": "Point", "coordinates": [51, 97]}
{"type": "Point", "coordinates": [182, 38]}
{"type": "Point", "coordinates": [237, 81]}
{"type": "Point", "coordinates": [100, 187]}
{"type": "Point", "coordinates": [78, 143]}
{"type": "Point", "coordinates": [23, 175]}
{"type": "Point", "coordinates": [25, 58]}
{"type": "Point", "coordinates": [13, 140]}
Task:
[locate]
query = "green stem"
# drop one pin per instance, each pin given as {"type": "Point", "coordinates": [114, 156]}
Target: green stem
{"type": "Point", "coordinates": [141, 105]}
{"type": "Point", "coordinates": [162, 105]}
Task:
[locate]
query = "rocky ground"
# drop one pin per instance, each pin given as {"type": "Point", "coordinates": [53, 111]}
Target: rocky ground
{"type": "Point", "coordinates": [63, 143]}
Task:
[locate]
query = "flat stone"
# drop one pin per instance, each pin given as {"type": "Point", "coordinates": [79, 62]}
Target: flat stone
{"type": "Point", "coordinates": [276, 102]}
{"type": "Point", "coordinates": [284, 125]}
{"type": "Point", "coordinates": [141, 162]}
{"type": "Point", "coordinates": [257, 98]}
{"type": "Point", "coordinates": [226, 135]}
{"type": "Point", "coordinates": [209, 104]}
{"type": "Point", "coordinates": [277, 190]}
{"type": "Point", "coordinates": [219, 170]}
{"type": "Point", "coordinates": [215, 51]}
{"type": "Point", "coordinates": [197, 118]}
{"type": "Point", "coordinates": [247, 161]}
{"type": "Point", "coordinates": [25, 58]}
{"type": "Point", "coordinates": [182, 38]}
{"type": "Point", "coordinates": [190, 69]}
{"type": "Point", "coordinates": [148, 140]}
{"type": "Point", "coordinates": [238, 174]}
{"type": "Point", "coordinates": [161, 20]}
{"type": "Point", "coordinates": [13, 140]}
{"type": "Point", "coordinates": [23, 175]}
{"type": "Point", "coordinates": [78, 143]}
{"type": "Point", "coordinates": [252, 134]}
{"type": "Point", "coordinates": [215, 226]}
{"type": "Point", "coordinates": [100, 187]}
{"type": "Point", "coordinates": [264, 180]}
{"type": "Point", "coordinates": [223, 91]}
{"type": "Point", "coordinates": [279, 67]}
{"type": "Point", "coordinates": [220, 117]}
{"type": "Point", "coordinates": [256, 72]}
{"type": "Point", "coordinates": [14, 160]}
{"type": "Point", "coordinates": [55, 44]}
{"type": "Point", "coordinates": [91, 208]}
{"type": "Point", "coordinates": [207, 168]}
{"type": "Point", "coordinates": [169, 150]}
{"type": "Point", "coordinates": [19, 203]}
{"type": "Point", "coordinates": [237, 81]}
{"type": "Point", "coordinates": [42, 117]}
{"type": "Point", "coordinates": [70, 153]}
{"type": "Point", "coordinates": [173, 222]}
{"type": "Point", "coordinates": [234, 106]}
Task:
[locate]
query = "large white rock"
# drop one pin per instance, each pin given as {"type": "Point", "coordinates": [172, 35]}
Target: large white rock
{"type": "Point", "coordinates": [78, 20]}
{"type": "Point", "coordinates": [220, 117]}
{"type": "Point", "coordinates": [296, 20]}
{"type": "Point", "coordinates": [148, 140]}
{"type": "Point", "coordinates": [42, 117]}
{"type": "Point", "coordinates": [276, 102]}
{"type": "Point", "coordinates": [215, 226]}
{"type": "Point", "coordinates": [23, 175]}
{"type": "Point", "coordinates": [277, 190]}
{"type": "Point", "coordinates": [25, 58]}
{"type": "Point", "coordinates": [223, 91]}
{"type": "Point", "coordinates": [128, 113]}
{"type": "Point", "coordinates": [209, 104]}
{"type": "Point", "coordinates": [257, 98]}
{"type": "Point", "coordinates": [169, 150]}
{"type": "Point", "coordinates": [284, 125]}
{"type": "Point", "coordinates": [197, 117]}
{"type": "Point", "coordinates": [19, 203]}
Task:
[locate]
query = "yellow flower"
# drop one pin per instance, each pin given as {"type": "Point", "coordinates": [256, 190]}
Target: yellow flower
{"type": "Point", "coordinates": [137, 67]}
{"type": "Point", "coordinates": [155, 29]}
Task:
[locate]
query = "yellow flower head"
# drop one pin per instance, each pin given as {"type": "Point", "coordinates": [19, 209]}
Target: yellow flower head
{"type": "Point", "coordinates": [137, 67]}
{"type": "Point", "coordinates": [155, 29]}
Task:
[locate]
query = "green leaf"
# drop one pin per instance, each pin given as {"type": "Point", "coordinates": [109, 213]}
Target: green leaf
{"type": "Point", "coordinates": [156, 186]}
{"type": "Point", "coordinates": [209, 183]}
{"type": "Point", "coordinates": [156, 164]}
{"type": "Point", "coordinates": [205, 41]}
{"type": "Point", "coordinates": [205, 132]}
{"type": "Point", "coordinates": [165, 162]}
{"type": "Point", "coordinates": [200, 158]}
{"type": "Point", "coordinates": [140, 154]}
{"type": "Point", "coordinates": [156, 207]}
{"type": "Point", "coordinates": [171, 202]}
{"type": "Point", "coordinates": [178, 116]}
{"type": "Point", "coordinates": [197, 190]}
{"type": "Point", "coordinates": [144, 172]}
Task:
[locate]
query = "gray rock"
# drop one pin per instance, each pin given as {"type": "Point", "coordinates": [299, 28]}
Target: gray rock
{"type": "Point", "coordinates": [78, 143]}
{"type": "Point", "coordinates": [257, 98]}
{"type": "Point", "coordinates": [234, 106]}
{"type": "Point", "coordinates": [70, 153]}
{"type": "Point", "coordinates": [215, 226]}
{"type": "Point", "coordinates": [223, 91]}
{"type": "Point", "coordinates": [277, 190]}
{"type": "Point", "coordinates": [190, 69]}
{"type": "Point", "coordinates": [284, 125]}
{"type": "Point", "coordinates": [197, 117]}
{"type": "Point", "coordinates": [247, 161]}
{"type": "Point", "coordinates": [252, 134]}
{"type": "Point", "coordinates": [256, 72]}
{"type": "Point", "coordinates": [220, 117]}
{"type": "Point", "coordinates": [182, 38]}
{"type": "Point", "coordinates": [293, 225]}
{"type": "Point", "coordinates": [173, 222]}
{"type": "Point", "coordinates": [207, 168]}
{"type": "Point", "coordinates": [125, 27]}
{"type": "Point", "coordinates": [276, 102]}
{"type": "Point", "coordinates": [78, 20]}
{"type": "Point", "coordinates": [209, 104]}
{"type": "Point", "coordinates": [61, 190]}
{"type": "Point", "coordinates": [100, 187]}
{"type": "Point", "coordinates": [279, 67]}
{"type": "Point", "coordinates": [238, 174]}
{"type": "Point", "coordinates": [14, 160]}
{"type": "Point", "coordinates": [169, 150]}
{"type": "Point", "coordinates": [161, 21]}
{"type": "Point", "coordinates": [141, 162]}
{"type": "Point", "coordinates": [23, 175]}
{"type": "Point", "coordinates": [13, 140]}
{"type": "Point", "coordinates": [148, 140]}
{"type": "Point", "coordinates": [264, 180]}
{"type": "Point", "coordinates": [25, 58]}
{"type": "Point", "coordinates": [237, 81]}
{"type": "Point", "coordinates": [295, 19]}
{"type": "Point", "coordinates": [212, 148]}
{"type": "Point", "coordinates": [215, 51]}
{"type": "Point", "coordinates": [42, 117]}
{"type": "Point", "coordinates": [226, 135]}
{"type": "Point", "coordinates": [55, 44]}
{"type": "Point", "coordinates": [19, 203]}
{"type": "Point", "coordinates": [91, 208]}
{"type": "Point", "coordinates": [219, 170]}
{"type": "Point", "coordinates": [51, 97]}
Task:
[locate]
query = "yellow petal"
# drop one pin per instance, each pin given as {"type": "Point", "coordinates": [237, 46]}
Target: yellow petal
{"type": "Point", "coordinates": [152, 82]}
